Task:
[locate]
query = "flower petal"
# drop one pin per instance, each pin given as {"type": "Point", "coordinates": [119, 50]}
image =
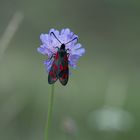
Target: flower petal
{"type": "Point", "coordinates": [77, 46]}
{"type": "Point", "coordinates": [44, 38]}
{"type": "Point", "coordinates": [43, 49]}
{"type": "Point", "coordinates": [67, 31]}
{"type": "Point", "coordinates": [65, 35]}
{"type": "Point", "coordinates": [54, 41]}
{"type": "Point", "coordinates": [62, 31]}
{"type": "Point", "coordinates": [72, 64]}
{"type": "Point", "coordinates": [73, 60]}
{"type": "Point", "coordinates": [74, 47]}
{"type": "Point", "coordinates": [48, 64]}
{"type": "Point", "coordinates": [79, 52]}
{"type": "Point", "coordinates": [56, 32]}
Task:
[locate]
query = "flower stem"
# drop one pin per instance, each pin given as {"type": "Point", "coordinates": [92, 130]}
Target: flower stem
{"type": "Point", "coordinates": [49, 115]}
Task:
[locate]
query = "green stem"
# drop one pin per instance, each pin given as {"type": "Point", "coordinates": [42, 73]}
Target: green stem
{"type": "Point", "coordinates": [49, 115]}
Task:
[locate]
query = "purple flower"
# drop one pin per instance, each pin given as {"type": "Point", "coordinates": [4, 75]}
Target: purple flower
{"type": "Point", "coordinates": [49, 44]}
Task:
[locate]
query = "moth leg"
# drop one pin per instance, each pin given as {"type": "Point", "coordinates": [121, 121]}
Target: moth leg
{"type": "Point", "coordinates": [67, 49]}
{"type": "Point", "coordinates": [53, 55]}
{"type": "Point", "coordinates": [68, 55]}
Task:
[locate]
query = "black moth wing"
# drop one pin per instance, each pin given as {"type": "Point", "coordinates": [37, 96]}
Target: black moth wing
{"type": "Point", "coordinates": [63, 70]}
{"type": "Point", "coordinates": [53, 73]}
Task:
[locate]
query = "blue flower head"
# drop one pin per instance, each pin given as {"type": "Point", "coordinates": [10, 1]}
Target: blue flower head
{"type": "Point", "coordinates": [50, 46]}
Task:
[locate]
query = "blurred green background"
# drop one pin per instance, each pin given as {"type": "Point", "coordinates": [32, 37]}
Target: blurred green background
{"type": "Point", "coordinates": [101, 100]}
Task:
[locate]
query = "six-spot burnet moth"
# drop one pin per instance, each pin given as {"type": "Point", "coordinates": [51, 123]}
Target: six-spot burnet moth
{"type": "Point", "coordinates": [60, 69]}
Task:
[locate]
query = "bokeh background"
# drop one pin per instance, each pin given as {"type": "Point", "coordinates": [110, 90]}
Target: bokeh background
{"type": "Point", "coordinates": [101, 100]}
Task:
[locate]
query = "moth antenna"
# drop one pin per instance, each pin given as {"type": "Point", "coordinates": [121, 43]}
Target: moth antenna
{"type": "Point", "coordinates": [55, 36]}
{"type": "Point", "coordinates": [72, 40]}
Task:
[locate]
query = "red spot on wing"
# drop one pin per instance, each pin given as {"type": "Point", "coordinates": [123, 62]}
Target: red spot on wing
{"type": "Point", "coordinates": [65, 58]}
{"type": "Point", "coordinates": [55, 67]}
{"type": "Point", "coordinates": [65, 67]}
{"type": "Point", "coordinates": [65, 76]}
{"type": "Point", "coordinates": [52, 77]}
{"type": "Point", "coordinates": [51, 73]}
{"type": "Point", "coordinates": [61, 67]}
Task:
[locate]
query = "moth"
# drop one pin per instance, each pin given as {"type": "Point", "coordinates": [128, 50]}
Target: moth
{"type": "Point", "coordinates": [60, 66]}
